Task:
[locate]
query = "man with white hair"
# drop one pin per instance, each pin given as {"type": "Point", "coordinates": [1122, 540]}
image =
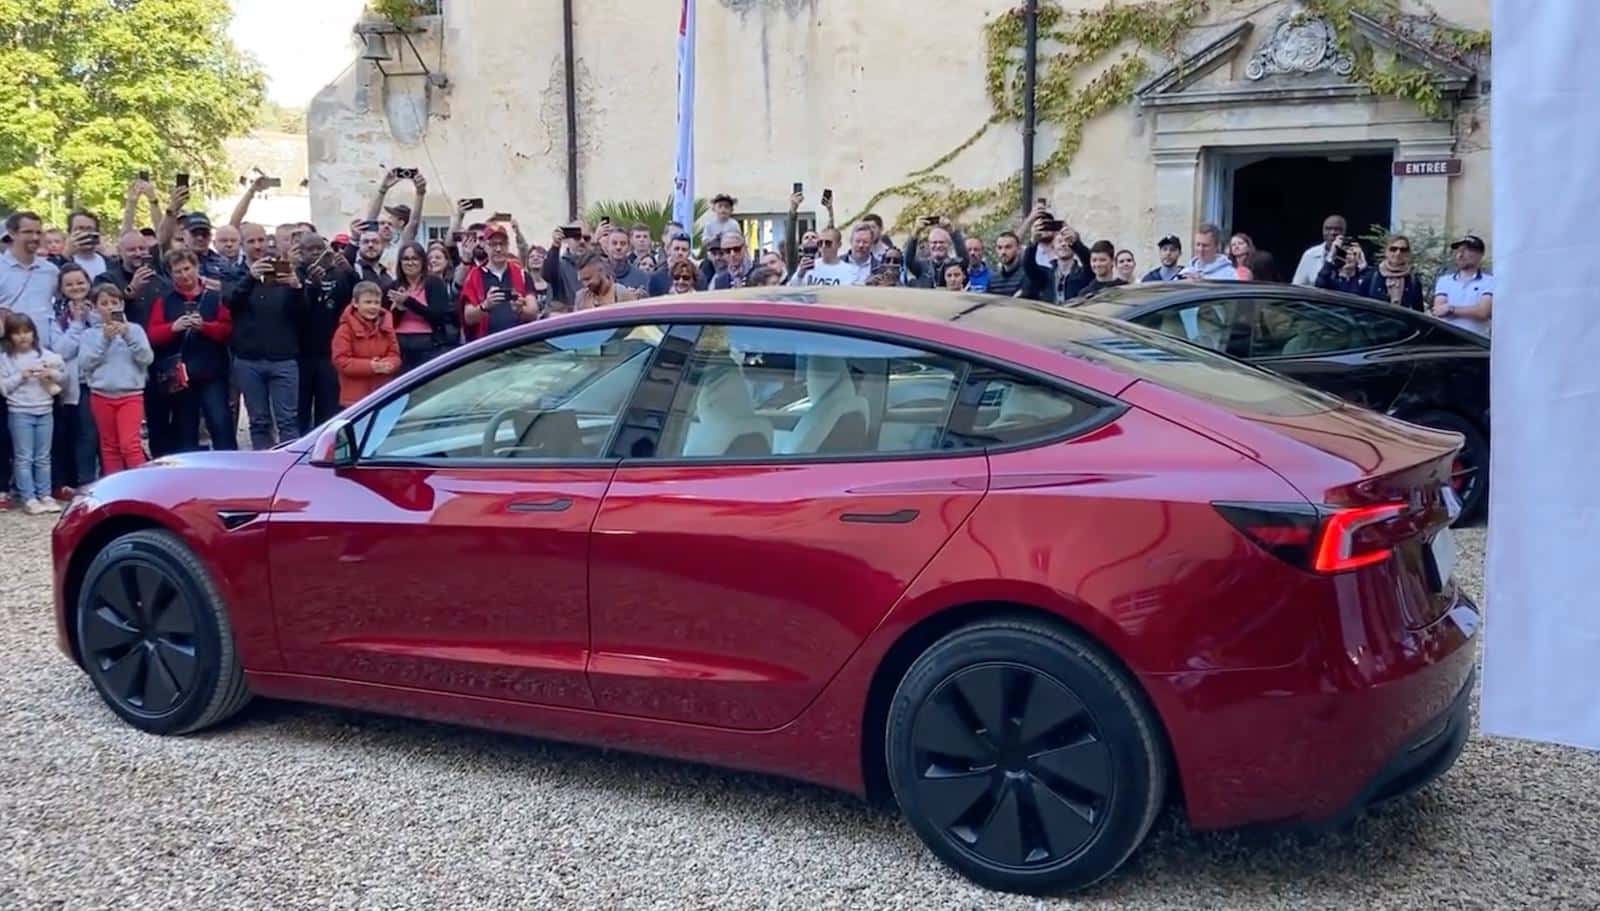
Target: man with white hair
{"type": "Point", "coordinates": [737, 264]}
{"type": "Point", "coordinates": [943, 242]}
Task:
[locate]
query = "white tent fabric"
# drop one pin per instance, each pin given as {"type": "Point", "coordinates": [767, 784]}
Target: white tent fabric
{"type": "Point", "coordinates": [1542, 620]}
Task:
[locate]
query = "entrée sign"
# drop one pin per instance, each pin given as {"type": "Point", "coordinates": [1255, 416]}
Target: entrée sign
{"type": "Point", "coordinates": [1428, 167]}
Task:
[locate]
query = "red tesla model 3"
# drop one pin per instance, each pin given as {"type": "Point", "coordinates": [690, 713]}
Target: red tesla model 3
{"type": "Point", "coordinates": [1029, 572]}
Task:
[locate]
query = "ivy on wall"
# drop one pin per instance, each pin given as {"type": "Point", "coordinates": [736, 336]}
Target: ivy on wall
{"type": "Point", "coordinates": [1069, 93]}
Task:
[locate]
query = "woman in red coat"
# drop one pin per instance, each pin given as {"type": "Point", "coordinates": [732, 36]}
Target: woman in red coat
{"type": "Point", "coordinates": [366, 351]}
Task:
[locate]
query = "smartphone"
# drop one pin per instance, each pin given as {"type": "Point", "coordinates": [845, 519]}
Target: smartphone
{"type": "Point", "coordinates": [93, 238]}
{"type": "Point", "coordinates": [799, 187]}
{"type": "Point", "coordinates": [827, 195]}
{"type": "Point", "coordinates": [405, 173]}
{"type": "Point", "coordinates": [605, 220]}
{"type": "Point", "coordinates": [1052, 225]}
{"type": "Point", "coordinates": [930, 219]}
{"type": "Point", "coordinates": [144, 176]}
{"type": "Point", "coordinates": [1042, 203]}
{"type": "Point", "coordinates": [181, 179]}
{"type": "Point", "coordinates": [272, 182]}
{"type": "Point", "coordinates": [501, 216]}
{"type": "Point", "coordinates": [282, 268]}
{"type": "Point", "coordinates": [809, 251]}
{"type": "Point", "coordinates": [370, 226]}
{"type": "Point", "coordinates": [190, 308]}
{"type": "Point", "coordinates": [473, 204]}
{"type": "Point", "coordinates": [116, 316]}
{"type": "Point", "coordinates": [571, 232]}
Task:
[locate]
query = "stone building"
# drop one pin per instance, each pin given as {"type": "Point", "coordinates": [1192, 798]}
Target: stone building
{"type": "Point", "coordinates": [1257, 122]}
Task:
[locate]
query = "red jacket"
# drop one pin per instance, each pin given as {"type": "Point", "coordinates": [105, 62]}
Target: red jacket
{"type": "Point", "coordinates": [204, 350]}
{"type": "Point", "coordinates": [473, 293]}
{"type": "Point", "coordinates": [356, 344]}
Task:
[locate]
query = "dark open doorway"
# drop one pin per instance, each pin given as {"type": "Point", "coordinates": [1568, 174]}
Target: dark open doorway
{"type": "Point", "coordinates": [1281, 202]}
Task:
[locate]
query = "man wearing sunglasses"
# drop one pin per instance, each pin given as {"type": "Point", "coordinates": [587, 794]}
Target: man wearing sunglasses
{"type": "Point", "coordinates": [1394, 280]}
{"type": "Point", "coordinates": [736, 264]}
{"type": "Point", "coordinates": [823, 266]}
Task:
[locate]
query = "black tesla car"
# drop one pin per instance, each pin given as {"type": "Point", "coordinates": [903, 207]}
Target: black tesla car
{"type": "Point", "coordinates": [1386, 358]}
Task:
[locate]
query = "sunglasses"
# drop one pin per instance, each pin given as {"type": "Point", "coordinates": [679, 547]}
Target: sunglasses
{"type": "Point", "coordinates": [1399, 249]}
{"type": "Point", "coordinates": [827, 243]}
{"type": "Point", "coordinates": [892, 261]}
{"type": "Point", "coordinates": [733, 248]}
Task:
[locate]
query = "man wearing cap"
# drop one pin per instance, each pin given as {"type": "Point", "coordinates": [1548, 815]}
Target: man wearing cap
{"type": "Point", "coordinates": [1465, 297]}
{"type": "Point", "coordinates": [396, 225]}
{"type": "Point", "coordinates": [493, 296]}
{"type": "Point", "coordinates": [1171, 253]}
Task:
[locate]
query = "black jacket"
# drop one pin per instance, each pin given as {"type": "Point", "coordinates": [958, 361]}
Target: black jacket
{"type": "Point", "coordinates": [267, 320]}
{"type": "Point", "coordinates": [1370, 283]}
{"type": "Point", "coordinates": [439, 309]}
{"type": "Point", "coordinates": [1043, 281]}
{"type": "Point", "coordinates": [1008, 282]}
{"type": "Point", "coordinates": [325, 303]}
{"type": "Point", "coordinates": [929, 273]}
{"type": "Point", "coordinates": [138, 306]}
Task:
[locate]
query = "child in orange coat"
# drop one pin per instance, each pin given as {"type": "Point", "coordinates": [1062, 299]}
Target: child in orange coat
{"type": "Point", "coordinates": [366, 351]}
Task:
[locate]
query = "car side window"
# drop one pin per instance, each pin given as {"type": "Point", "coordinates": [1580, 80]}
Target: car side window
{"type": "Point", "coordinates": [1209, 324]}
{"type": "Point", "coordinates": [1286, 328]}
{"type": "Point", "coordinates": [764, 391]}
{"type": "Point", "coordinates": [998, 409]}
{"type": "Point", "coordinates": [554, 398]}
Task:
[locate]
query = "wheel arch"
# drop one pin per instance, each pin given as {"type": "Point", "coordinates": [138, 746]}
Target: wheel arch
{"type": "Point", "coordinates": [922, 634]}
{"type": "Point", "coordinates": [94, 541]}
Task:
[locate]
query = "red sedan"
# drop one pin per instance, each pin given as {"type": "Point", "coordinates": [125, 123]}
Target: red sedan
{"type": "Point", "coordinates": [1029, 572]}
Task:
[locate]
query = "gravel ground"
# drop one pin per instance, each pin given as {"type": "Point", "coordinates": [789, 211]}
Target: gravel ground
{"type": "Point", "coordinates": [293, 806]}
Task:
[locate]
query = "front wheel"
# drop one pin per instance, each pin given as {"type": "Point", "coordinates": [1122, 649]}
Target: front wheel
{"type": "Point", "coordinates": [1024, 758]}
{"type": "Point", "coordinates": [154, 637]}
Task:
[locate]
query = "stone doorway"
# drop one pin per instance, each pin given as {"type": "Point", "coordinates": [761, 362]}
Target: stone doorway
{"type": "Point", "coordinates": [1280, 200]}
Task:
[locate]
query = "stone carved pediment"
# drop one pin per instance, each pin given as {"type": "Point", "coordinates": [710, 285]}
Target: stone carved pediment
{"type": "Point", "coordinates": [1299, 44]}
{"type": "Point", "coordinates": [1298, 59]}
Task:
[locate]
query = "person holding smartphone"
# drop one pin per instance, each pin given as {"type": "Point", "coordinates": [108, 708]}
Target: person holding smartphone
{"type": "Point", "coordinates": [267, 308]}
{"type": "Point", "coordinates": [189, 330]}
{"type": "Point", "coordinates": [494, 294]}
{"type": "Point", "coordinates": [397, 225]}
{"type": "Point", "coordinates": [329, 282]}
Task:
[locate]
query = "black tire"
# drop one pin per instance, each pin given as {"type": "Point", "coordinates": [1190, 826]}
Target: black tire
{"type": "Point", "coordinates": [1061, 799]}
{"type": "Point", "coordinates": [1474, 469]}
{"type": "Point", "coordinates": [154, 636]}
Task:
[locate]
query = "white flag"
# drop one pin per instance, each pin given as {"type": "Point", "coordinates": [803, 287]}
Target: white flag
{"type": "Point", "coordinates": [683, 180]}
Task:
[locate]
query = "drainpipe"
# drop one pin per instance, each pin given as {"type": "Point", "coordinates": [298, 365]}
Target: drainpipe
{"type": "Point", "coordinates": [572, 111]}
{"type": "Point", "coordinates": [1030, 118]}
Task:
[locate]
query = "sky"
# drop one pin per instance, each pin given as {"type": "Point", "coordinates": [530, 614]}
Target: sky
{"type": "Point", "coordinates": [302, 44]}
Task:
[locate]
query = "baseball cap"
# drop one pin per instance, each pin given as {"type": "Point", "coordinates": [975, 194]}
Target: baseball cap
{"type": "Point", "coordinates": [493, 231]}
{"type": "Point", "coordinates": [1470, 241]}
{"type": "Point", "coordinates": [343, 239]}
{"type": "Point", "coordinates": [402, 213]}
{"type": "Point", "coordinates": [1170, 241]}
{"type": "Point", "coordinates": [196, 221]}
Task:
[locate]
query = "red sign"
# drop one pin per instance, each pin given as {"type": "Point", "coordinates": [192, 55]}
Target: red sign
{"type": "Point", "coordinates": [1428, 167]}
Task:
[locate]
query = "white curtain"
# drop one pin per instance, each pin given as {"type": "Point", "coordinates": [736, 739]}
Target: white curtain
{"type": "Point", "coordinates": [1542, 621]}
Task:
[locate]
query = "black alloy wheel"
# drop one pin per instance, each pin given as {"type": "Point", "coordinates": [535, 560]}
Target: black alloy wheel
{"type": "Point", "coordinates": [154, 638]}
{"type": "Point", "coordinates": [138, 637]}
{"type": "Point", "coordinates": [1024, 757]}
{"type": "Point", "coordinates": [1012, 765]}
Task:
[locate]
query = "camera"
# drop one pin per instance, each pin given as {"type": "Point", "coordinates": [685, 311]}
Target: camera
{"type": "Point", "coordinates": [271, 182]}
{"type": "Point", "coordinates": [472, 204]}
{"type": "Point", "coordinates": [405, 173]}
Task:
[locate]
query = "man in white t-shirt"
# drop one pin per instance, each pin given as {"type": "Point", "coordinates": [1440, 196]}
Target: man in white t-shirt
{"type": "Point", "coordinates": [1465, 297]}
{"type": "Point", "coordinates": [827, 268]}
{"type": "Point", "coordinates": [1333, 228]}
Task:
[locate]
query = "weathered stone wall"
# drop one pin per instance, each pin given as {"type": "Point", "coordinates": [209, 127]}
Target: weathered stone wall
{"type": "Point", "coordinates": [841, 94]}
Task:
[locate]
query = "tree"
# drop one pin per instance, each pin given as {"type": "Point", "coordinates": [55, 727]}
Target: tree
{"type": "Point", "coordinates": [99, 90]}
{"type": "Point", "coordinates": [653, 215]}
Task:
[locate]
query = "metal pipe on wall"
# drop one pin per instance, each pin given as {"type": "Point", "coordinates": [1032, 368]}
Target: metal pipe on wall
{"type": "Point", "coordinates": [1030, 116]}
{"type": "Point", "coordinates": [572, 110]}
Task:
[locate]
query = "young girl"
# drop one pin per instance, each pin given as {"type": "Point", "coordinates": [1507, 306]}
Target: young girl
{"type": "Point", "coordinates": [72, 460]}
{"type": "Point", "coordinates": [31, 377]}
{"type": "Point", "coordinates": [366, 352]}
{"type": "Point", "coordinates": [115, 359]}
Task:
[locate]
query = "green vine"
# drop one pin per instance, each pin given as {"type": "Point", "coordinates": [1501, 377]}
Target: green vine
{"type": "Point", "coordinates": [399, 13]}
{"type": "Point", "coordinates": [1069, 94]}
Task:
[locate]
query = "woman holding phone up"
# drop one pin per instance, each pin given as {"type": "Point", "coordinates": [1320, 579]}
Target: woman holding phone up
{"type": "Point", "coordinates": [420, 304]}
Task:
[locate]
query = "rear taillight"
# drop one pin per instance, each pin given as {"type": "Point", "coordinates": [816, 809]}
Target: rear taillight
{"type": "Point", "coordinates": [1326, 539]}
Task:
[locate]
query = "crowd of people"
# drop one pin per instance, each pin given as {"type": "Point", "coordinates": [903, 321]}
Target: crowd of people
{"type": "Point", "coordinates": [153, 340]}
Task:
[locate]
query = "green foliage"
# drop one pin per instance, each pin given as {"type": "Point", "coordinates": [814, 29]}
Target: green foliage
{"type": "Point", "coordinates": [398, 13]}
{"type": "Point", "coordinates": [1074, 86]}
{"type": "Point", "coordinates": [1431, 255]}
{"type": "Point", "coordinates": [273, 116]}
{"type": "Point", "coordinates": [627, 213]}
{"type": "Point", "coordinates": [98, 90]}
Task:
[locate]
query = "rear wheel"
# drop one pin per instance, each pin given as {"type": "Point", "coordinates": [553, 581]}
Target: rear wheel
{"type": "Point", "coordinates": [154, 637]}
{"type": "Point", "coordinates": [1469, 475]}
{"type": "Point", "coordinates": [1023, 757]}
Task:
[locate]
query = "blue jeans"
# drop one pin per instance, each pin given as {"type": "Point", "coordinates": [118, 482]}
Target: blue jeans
{"type": "Point", "coordinates": [207, 400]}
{"type": "Point", "coordinates": [271, 391]}
{"type": "Point", "coordinates": [30, 446]}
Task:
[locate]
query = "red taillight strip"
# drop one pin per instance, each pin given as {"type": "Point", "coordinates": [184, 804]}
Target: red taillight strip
{"type": "Point", "coordinates": [1335, 550]}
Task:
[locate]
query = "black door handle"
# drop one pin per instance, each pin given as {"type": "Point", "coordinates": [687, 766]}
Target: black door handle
{"type": "Point", "coordinates": [557, 505]}
{"type": "Point", "coordinates": [898, 517]}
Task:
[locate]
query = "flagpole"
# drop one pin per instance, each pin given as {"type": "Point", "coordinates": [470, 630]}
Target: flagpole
{"type": "Point", "coordinates": [683, 177]}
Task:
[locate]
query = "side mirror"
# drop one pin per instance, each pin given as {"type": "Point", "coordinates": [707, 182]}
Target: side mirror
{"type": "Point", "coordinates": [335, 446]}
